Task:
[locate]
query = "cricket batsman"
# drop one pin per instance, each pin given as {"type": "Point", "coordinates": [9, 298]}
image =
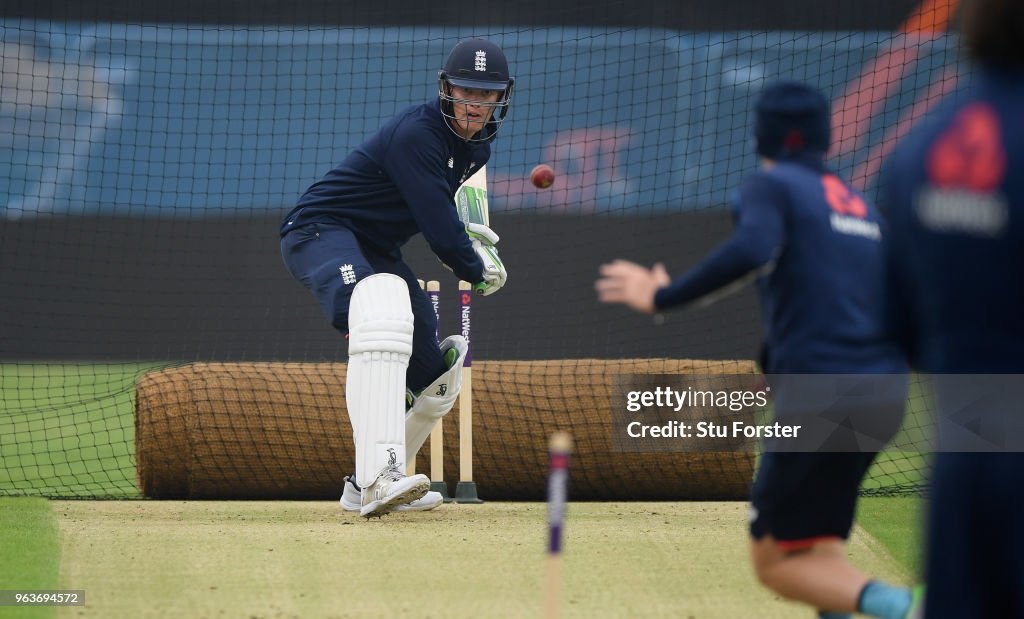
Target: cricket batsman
{"type": "Point", "coordinates": [343, 242]}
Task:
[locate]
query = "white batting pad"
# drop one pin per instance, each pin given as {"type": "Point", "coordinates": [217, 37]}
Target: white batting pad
{"type": "Point", "coordinates": [435, 401]}
{"type": "Point", "coordinates": [379, 345]}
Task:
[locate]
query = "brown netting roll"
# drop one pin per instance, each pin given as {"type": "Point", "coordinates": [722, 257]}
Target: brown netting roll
{"type": "Point", "coordinates": [280, 430]}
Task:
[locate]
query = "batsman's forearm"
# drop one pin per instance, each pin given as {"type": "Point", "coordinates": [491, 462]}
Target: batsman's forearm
{"type": "Point", "coordinates": [467, 267]}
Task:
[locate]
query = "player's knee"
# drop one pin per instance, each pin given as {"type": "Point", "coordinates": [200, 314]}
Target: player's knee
{"type": "Point", "coordinates": [776, 578]}
{"type": "Point", "coordinates": [380, 316]}
{"type": "Point", "coordinates": [333, 284]}
{"type": "Point", "coordinates": [766, 575]}
{"type": "Point", "coordinates": [762, 569]}
{"type": "Point", "coordinates": [766, 557]}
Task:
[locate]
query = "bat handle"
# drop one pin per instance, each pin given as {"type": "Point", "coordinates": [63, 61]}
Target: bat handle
{"type": "Point", "coordinates": [479, 288]}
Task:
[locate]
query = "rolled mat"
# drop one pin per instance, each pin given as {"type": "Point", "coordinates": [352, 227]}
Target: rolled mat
{"type": "Point", "coordinates": [280, 431]}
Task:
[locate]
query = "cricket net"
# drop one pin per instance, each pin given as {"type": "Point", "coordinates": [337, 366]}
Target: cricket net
{"type": "Point", "coordinates": [150, 150]}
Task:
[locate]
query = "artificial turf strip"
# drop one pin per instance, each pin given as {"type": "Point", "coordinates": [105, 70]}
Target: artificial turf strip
{"type": "Point", "coordinates": [310, 559]}
{"type": "Point", "coordinates": [30, 555]}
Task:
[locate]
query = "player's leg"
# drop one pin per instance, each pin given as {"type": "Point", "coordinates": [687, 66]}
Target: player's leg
{"type": "Point", "coordinates": [438, 398]}
{"type": "Point", "coordinates": [950, 569]}
{"type": "Point", "coordinates": [380, 343]}
{"type": "Point", "coordinates": [429, 404]}
{"type": "Point", "coordinates": [802, 513]}
{"type": "Point", "coordinates": [818, 574]}
{"type": "Point", "coordinates": [975, 545]}
{"type": "Point", "coordinates": [329, 261]}
{"type": "Point", "coordinates": [793, 550]}
{"type": "Point", "coordinates": [351, 495]}
{"type": "Point", "coordinates": [435, 370]}
{"type": "Point", "coordinates": [427, 362]}
{"type": "Point", "coordinates": [1009, 477]}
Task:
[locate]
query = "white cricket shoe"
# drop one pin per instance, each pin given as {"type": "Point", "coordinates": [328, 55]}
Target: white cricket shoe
{"type": "Point", "coordinates": [390, 489]}
{"type": "Point", "coordinates": [352, 499]}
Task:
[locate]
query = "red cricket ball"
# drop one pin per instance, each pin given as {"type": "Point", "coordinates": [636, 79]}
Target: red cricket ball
{"type": "Point", "coordinates": [542, 176]}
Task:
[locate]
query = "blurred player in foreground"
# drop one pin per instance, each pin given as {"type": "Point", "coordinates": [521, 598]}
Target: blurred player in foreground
{"type": "Point", "coordinates": [343, 242]}
{"type": "Point", "coordinates": [815, 246]}
{"type": "Point", "coordinates": [954, 193]}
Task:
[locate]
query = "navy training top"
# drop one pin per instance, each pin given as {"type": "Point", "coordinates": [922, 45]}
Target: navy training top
{"type": "Point", "coordinates": [814, 244]}
{"type": "Point", "coordinates": [954, 195]}
{"type": "Point", "coordinates": [401, 181]}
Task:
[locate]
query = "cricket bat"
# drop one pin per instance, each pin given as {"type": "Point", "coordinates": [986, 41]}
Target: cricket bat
{"type": "Point", "coordinates": [471, 204]}
{"type": "Point", "coordinates": [471, 199]}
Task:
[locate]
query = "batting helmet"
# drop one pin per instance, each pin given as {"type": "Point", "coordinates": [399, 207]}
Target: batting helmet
{"type": "Point", "coordinates": [481, 65]}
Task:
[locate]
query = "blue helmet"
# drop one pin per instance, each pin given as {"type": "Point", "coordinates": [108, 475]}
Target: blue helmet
{"type": "Point", "coordinates": [478, 64]}
{"type": "Point", "coordinates": [792, 118]}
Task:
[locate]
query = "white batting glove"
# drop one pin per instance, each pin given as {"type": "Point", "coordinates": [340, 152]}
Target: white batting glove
{"type": "Point", "coordinates": [494, 271]}
{"type": "Point", "coordinates": [480, 232]}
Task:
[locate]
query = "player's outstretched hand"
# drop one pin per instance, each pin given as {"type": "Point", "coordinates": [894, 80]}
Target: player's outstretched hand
{"type": "Point", "coordinates": [631, 284]}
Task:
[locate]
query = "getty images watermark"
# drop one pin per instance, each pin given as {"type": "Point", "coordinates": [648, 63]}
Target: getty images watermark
{"type": "Point", "coordinates": [817, 413]}
{"type": "Point", "coordinates": [720, 403]}
{"type": "Point", "coordinates": [691, 413]}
